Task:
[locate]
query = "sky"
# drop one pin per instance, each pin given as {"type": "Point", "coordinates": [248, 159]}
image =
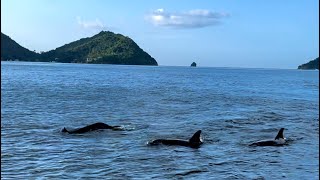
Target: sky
{"type": "Point", "coordinates": [213, 33]}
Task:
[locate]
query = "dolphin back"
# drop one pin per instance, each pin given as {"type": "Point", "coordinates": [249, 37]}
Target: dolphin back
{"type": "Point", "coordinates": [279, 140]}
{"type": "Point", "coordinates": [193, 142]}
{"type": "Point", "coordinates": [92, 127]}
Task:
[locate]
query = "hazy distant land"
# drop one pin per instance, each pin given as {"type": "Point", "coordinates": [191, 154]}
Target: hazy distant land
{"type": "Point", "coordinates": [103, 48]}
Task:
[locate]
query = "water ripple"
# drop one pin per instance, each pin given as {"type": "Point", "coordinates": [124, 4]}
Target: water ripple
{"type": "Point", "coordinates": [232, 107]}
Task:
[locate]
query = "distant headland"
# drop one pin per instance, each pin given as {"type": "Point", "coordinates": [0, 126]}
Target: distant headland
{"type": "Point", "coordinates": [313, 64]}
{"type": "Point", "coordinates": [103, 48]}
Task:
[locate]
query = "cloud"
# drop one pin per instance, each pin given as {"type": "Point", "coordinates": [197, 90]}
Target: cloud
{"type": "Point", "coordinates": [196, 18]}
{"type": "Point", "coordinates": [96, 25]}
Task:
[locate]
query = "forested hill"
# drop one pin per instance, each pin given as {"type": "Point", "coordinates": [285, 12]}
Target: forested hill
{"type": "Point", "coordinates": [103, 48]}
{"type": "Point", "coordinates": [10, 50]}
{"type": "Point", "coordinates": [314, 64]}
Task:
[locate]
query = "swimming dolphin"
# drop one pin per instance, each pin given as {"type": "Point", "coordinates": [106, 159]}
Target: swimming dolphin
{"type": "Point", "coordinates": [279, 140]}
{"type": "Point", "coordinates": [92, 127]}
{"type": "Point", "coordinates": [194, 142]}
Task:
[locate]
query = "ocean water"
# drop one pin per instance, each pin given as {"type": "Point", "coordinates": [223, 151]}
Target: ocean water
{"type": "Point", "coordinates": [232, 106]}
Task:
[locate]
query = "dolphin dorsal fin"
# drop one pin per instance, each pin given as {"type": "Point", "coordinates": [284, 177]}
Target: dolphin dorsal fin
{"type": "Point", "coordinates": [64, 130]}
{"type": "Point", "coordinates": [196, 137]}
{"type": "Point", "coordinates": [280, 134]}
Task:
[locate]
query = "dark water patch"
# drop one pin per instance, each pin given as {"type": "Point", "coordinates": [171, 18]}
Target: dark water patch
{"type": "Point", "coordinates": [190, 172]}
{"type": "Point", "coordinates": [246, 122]}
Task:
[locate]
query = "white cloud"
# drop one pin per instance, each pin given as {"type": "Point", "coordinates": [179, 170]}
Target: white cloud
{"type": "Point", "coordinates": [97, 24]}
{"type": "Point", "coordinates": [196, 18]}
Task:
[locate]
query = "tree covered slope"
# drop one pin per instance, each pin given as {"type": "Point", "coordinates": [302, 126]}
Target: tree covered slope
{"type": "Point", "coordinates": [314, 64]}
{"type": "Point", "coordinates": [10, 50]}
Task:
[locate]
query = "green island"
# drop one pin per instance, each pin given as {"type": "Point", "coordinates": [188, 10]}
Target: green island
{"type": "Point", "coordinates": [313, 64]}
{"type": "Point", "coordinates": [103, 48]}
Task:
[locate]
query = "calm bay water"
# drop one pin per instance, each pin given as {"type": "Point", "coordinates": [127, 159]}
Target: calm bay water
{"type": "Point", "coordinates": [233, 108]}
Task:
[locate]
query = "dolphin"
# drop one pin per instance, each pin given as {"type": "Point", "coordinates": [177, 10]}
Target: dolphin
{"type": "Point", "coordinates": [194, 142]}
{"type": "Point", "coordinates": [279, 140]}
{"type": "Point", "coordinates": [92, 127]}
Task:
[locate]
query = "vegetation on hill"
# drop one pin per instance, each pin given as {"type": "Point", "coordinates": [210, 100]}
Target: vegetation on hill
{"type": "Point", "coordinates": [103, 48]}
{"type": "Point", "coordinates": [10, 50]}
{"type": "Point", "coordinates": [314, 64]}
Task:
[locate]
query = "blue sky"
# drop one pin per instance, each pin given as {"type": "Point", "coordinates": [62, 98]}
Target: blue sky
{"type": "Point", "coordinates": [224, 33]}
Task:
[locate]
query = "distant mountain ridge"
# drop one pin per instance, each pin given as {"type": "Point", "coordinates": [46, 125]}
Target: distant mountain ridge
{"type": "Point", "coordinates": [313, 64]}
{"type": "Point", "coordinates": [103, 48]}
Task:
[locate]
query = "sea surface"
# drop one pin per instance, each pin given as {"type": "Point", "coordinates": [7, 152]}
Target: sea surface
{"type": "Point", "coordinates": [232, 106]}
